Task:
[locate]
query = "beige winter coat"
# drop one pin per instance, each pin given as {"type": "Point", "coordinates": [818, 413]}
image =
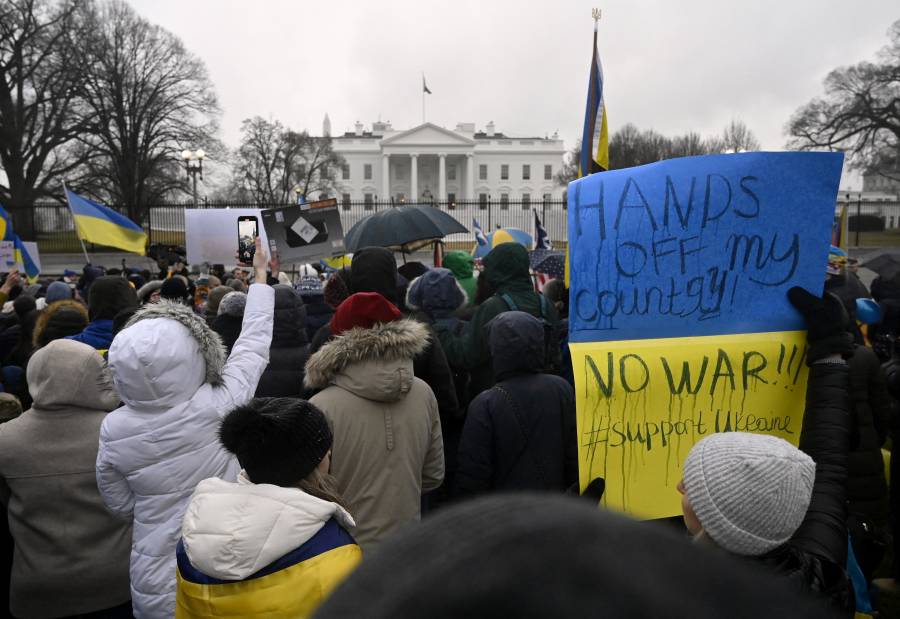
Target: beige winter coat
{"type": "Point", "coordinates": [387, 434]}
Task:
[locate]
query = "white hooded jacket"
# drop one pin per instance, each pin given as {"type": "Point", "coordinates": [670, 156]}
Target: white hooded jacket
{"type": "Point", "coordinates": [233, 530]}
{"type": "Point", "coordinates": [170, 371]}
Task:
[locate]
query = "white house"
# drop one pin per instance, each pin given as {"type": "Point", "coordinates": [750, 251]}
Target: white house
{"type": "Point", "coordinates": [429, 162]}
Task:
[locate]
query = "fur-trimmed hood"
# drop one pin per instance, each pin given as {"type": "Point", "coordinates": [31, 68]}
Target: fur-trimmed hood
{"type": "Point", "coordinates": [164, 354]}
{"type": "Point", "coordinates": [370, 362]}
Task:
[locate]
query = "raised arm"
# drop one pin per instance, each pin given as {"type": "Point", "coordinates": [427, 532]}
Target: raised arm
{"type": "Point", "coordinates": [250, 353]}
{"type": "Point", "coordinates": [827, 425]}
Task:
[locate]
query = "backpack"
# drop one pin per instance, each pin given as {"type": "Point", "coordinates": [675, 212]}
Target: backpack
{"type": "Point", "coordinates": [552, 358]}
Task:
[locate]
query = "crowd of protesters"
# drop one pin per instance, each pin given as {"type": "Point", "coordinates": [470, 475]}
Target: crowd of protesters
{"type": "Point", "coordinates": [252, 444]}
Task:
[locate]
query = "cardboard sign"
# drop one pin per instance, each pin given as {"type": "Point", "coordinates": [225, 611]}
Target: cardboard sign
{"type": "Point", "coordinates": [303, 233]}
{"type": "Point", "coordinates": [679, 319]}
{"type": "Point", "coordinates": [211, 234]}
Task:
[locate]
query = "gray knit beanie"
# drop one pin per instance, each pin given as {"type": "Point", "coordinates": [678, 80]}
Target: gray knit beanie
{"type": "Point", "coordinates": [750, 491]}
{"type": "Point", "coordinates": [232, 304]}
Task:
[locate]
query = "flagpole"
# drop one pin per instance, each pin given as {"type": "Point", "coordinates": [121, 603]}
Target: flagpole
{"type": "Point", "coordinates": [87, 258]}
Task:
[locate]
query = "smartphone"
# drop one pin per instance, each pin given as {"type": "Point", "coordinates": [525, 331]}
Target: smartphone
{"type": "Point", "coordinates": [248, 230]}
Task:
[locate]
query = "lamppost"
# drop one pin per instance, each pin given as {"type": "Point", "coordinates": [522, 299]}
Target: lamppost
{"type": "Point", "coordinates": [193, 165]}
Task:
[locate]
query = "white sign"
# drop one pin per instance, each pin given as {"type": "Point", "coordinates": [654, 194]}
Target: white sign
{"type": "Point", "coordinates": [7, 254]}
{"type": "Point", "coordinates": [211, 234]}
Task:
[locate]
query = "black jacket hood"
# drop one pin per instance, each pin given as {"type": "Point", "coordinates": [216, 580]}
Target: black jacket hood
{"type": "Point", "coordinates": [516, 341]}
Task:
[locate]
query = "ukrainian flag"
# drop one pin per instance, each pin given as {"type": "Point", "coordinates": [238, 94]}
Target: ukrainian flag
{"type": "Point", "coordinates": [595, 135]}
{"type": "Point", "coordinates": [20, 254]}
{"type": "Point", "coordinates": [99, 224]}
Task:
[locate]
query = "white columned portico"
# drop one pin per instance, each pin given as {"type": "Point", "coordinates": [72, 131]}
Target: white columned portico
{"type": "Point", "coordinates": [470, 176]}
{"type": "Point", "coordinates": [442, 176]}
{"type": "Point", "coordinates": [414, 178]}
{"type": "Point", "coordinates": [385, 177]}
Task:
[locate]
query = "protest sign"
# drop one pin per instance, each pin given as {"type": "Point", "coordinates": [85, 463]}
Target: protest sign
{"type": "Point", "coordinates": [306, 232]}
{"type": "Point", "coordinates": [679, 320]}
{"type": "Point", "coordinates": [211, 234]}
{"type": "Point", "coordinates": [7, 253]}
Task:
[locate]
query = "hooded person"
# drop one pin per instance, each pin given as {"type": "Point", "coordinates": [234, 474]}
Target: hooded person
{"type": "Point", "coordinates": [318, 311]}
{"type": "Point", "coordinates": [230, 317]}
{"type": "Point", "coordinates": [759, 496]}
{"type": "Point", "coordinates": [275, 539]}
{"type": "Point", "coordinates": [171, 372]}
{"type": "Point", "coordinates": [290, 348]}
{"type": "Point", "coordinates": [212, 302]}
{"type": "Point", "coordinates": [374, 270]}
{"type": "Point", "coordinates": [387, 431]}
{"type": "Point", "coordinates": [506, 273]}
{"type": "Point", "coordinates": [71, 554]}
{"type": "Point", "coordinates": [462, 265]}
{"type": "Point", "coordinates": [519, 434]}
{"type": "Point", "coordinates": [108, 296]}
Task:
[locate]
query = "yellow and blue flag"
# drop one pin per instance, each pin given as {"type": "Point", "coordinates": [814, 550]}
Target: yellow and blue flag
{"type": "Point", "coordinates": [99, 224]}
{"type": "Point", "coordinates": [595, 135]}
{"type": "Point", "coordinates": [20, 252]}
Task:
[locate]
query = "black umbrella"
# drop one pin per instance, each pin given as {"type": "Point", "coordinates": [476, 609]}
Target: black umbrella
{"type": "Point", "coordinates": [548, 262]}
{"type": "Point", "coordinates": [401, 228]}
{"type": "Point", "coordinates": [885, 265]}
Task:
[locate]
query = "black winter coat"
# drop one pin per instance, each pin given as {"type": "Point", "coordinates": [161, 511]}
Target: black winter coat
{"type": "Point", "coordinates": [519, 434]}
{"type": "Point", "coordinates": [867, 488]}
{"type": "Point", "coordinates": [814, 559]}
{"type": "Point", "coordinates": [318, 314]}
{"type": "Point", "coordinates": [283, 377]}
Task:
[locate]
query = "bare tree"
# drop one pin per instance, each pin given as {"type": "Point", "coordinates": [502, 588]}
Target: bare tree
{"type": "Point", "coordinates": [149, 98]}
{"type": "Point", "coordinates": [40, 113]}
{"type": "Point", "coordinates": [738, 138]}
{"type": "Point", "coordinates": [859, 113]}
{"type": "Point", "coordinates": [273, 163]}
{"type": "Point", "coordinates": [569, 171]}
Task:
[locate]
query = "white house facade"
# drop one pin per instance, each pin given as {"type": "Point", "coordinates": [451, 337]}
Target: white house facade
{"type": "Point", "coordinates": [429, 162]}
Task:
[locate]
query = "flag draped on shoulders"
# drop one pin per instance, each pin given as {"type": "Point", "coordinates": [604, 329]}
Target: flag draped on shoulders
{"type": "Point", "coordinates": [99, 224]}
{"type": "Point", "coordinates": [20, 253]}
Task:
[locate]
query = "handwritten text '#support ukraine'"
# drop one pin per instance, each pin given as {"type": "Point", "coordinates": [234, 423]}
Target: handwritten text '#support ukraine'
{"type": "Point", "coordinates": [671, 249]}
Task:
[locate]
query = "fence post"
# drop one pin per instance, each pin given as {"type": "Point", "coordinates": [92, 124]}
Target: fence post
{"type": "Point", "coordinates": [858, 216]}
{"type": "Point", "coordinates": [149, 226]}
{"type": "Point", "coordinates": [490, 214]}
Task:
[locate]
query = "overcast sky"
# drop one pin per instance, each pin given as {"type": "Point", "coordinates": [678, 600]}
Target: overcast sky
{"type": "Point", "coordinates": [672, 66]}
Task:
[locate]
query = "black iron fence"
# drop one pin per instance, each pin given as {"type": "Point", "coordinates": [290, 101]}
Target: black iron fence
{"type": "Point", "coordinates": [870, 223]}
{"type": "Point", "coordinates": [54, 228]}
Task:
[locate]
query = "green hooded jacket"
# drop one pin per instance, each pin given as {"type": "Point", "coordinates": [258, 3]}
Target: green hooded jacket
{"type": "Point", "coordinates": [507, 271]}
{"type": "Point", "coordinates": [462, 266]}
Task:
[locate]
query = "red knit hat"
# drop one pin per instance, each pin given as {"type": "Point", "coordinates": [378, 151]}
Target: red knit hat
{"type": "Point", "coordinates": [363, 309]}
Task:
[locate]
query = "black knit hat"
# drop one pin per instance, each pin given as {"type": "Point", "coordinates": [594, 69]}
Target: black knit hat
{"type": "Point", "coordinates": [278, 441]}
{"type": "Point", "coordinates": [174, 289]}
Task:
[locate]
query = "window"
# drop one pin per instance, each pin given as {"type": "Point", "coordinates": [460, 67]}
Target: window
{"type": "Point", "coordinates": [547, 198]}
{"type": "Point", "coordinates": [345, 201]}
{"type": "Point", "coordinates": [504, 201]}
{"type": "Point", "coordinates": [324, 173]}
{"type": "Point", "coordinates": [504, 172]}
{"type": "Point", "coordinates": [345, 171]}
{"type": "Point", "coordinates": [482, 201]}
{"type": "Point", "coordinates": [526, 201]}
{"type": "Point", "coordinates": [482, 172]}
{"type": "Point", "coordinates": [367, 171]}
{"type": "Point", "coordinates": [301, 170]}
{"type": "Point", "coordinates": [526, 172]}
{"type": "Point", "coordinates": [451, 200]}
{"type": "Point", "coordinates": [548, 172]}
{"type": "Point", "coordinates": [451, 173]}
{"type": "Point", "coordinates": [367, 198]}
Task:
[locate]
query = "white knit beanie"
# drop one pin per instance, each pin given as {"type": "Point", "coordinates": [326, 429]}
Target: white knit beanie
{"type": "Point", "coordinates": [750, 492]}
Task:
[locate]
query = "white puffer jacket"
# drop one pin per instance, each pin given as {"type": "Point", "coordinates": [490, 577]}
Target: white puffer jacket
{"type": "Point", "coordinates": [169, 369]}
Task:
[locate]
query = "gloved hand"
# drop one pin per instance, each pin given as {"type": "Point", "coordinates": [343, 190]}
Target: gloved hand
{"type": "Point", "coordinates": [826, 323]}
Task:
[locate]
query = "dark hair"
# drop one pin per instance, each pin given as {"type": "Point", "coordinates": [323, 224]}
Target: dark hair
{"type": "Point", "coordinates": [277, 441]}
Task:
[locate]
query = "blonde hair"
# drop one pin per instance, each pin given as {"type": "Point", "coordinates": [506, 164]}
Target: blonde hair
{"type": "Point", "coordinates": [323, 486]}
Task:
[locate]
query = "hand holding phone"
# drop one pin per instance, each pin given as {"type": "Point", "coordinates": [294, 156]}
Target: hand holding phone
{"type": "Point", "coordinates": [248, 231]}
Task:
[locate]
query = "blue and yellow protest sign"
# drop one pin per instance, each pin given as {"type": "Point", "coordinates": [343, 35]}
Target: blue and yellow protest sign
{"type": "Point", "coordinates": [679, 320]}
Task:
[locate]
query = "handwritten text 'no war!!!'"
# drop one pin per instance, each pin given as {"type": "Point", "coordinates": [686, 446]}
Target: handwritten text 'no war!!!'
{"type": "Point", "coordinates": [676, 265]}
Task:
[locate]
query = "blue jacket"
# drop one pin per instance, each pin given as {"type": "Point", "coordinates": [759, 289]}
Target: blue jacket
{"type": "Point", "coordinates": [98, 333]}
